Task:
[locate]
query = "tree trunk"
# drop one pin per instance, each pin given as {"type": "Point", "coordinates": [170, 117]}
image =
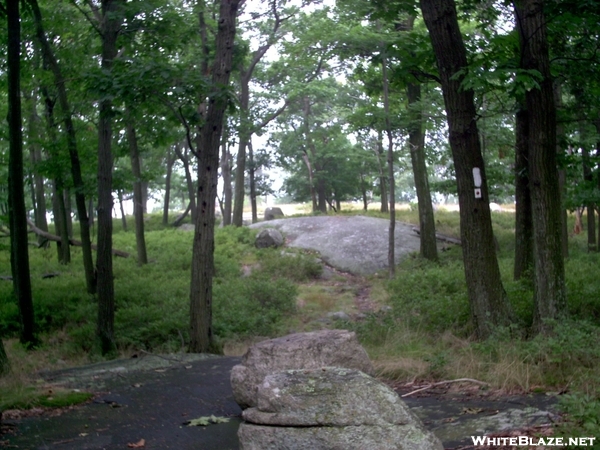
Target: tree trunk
{"type": "Point", "coordinates": [59, 81]}
{"type": "Point", "coordinates": [488, 300]}
{"type": "Point", "coordinates": [321, 191]}
{"type": "Point", "coordinates": [252, 180]}
{"type": "Point", "coordinates": [209, 140]}
{"type": "Point", "coordinates": [184, 158]}
{"type": "Point", "coordinates": [16, 193]}
{"type": "Point", "coordinates": [227, 191]}
{"type": "Point", "coordinates": [111, 21]}
{"type": "Point", "coordinates": [562, 173]}
{"type": "Point", "coordinates": [311, 181]}
{"type": "Point", "coordinates": [416, 141]}
{"type": "Point", "coordinates": [385, 207]}
{"type": "Point", "coordinates": [138, 196]}
{"type": "Point", "coordinates": [390, 161]}
{"type": "Point", "coordinates": [523, 214]}
{"type": "Point", "coordinates": [549, 276]}
{"type": "Point", "coordinates": [588, 176]}
{"type": "Point", "coordinates": [122, 209]}
{"type": "Point", "coordinates": [597, 125]}
{"type": "Point", "coordinates": [36, 159]}
{"type": "Point", "coordinates": [60, 220]}
{"type": "Point", "coordinates": [4, 364]}
{"type": "Point", "coordinates": [69, 211]}
{"type": "Point", "coordinates": [170, 162]}
{"type": "Point", "coordinates": [240, 169]}
{"type": "Point", "coordinates": [313, 153]}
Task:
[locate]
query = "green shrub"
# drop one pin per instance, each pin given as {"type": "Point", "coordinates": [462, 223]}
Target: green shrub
{"type": "Point", "coordinates": [295, 266]}
{"type": "Point", "coordinates": [431, 295]}
{"type": "Point", "coordinates": [251, 306]}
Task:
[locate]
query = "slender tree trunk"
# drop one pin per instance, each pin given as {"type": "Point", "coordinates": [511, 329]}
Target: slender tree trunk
{"type": "Point", "coordinates": [240, 170]}
{"type": "Point", "coordinates": [488, 300]}
{"type": "Point", "coordinates": [549, 276]}
{"type": "Point", "coordinates": [311, 181]}
{"type": "Point", "coordinates": [69, 211]}
{"type": "Point", "coordinates": [226, 172]}
{"type": "Point", "coordinates": [84, 224]}
{"type": "Point", "coordinates": [4, 364]}
{"type": "Point", "coordinates": [111, 21]}
{"type": "Point", "coordinates": [138, 197]}
{"type": "Point", "coordinates": [252, 180]}
{"type": "Point", "coordinates": [60, 221]}
{"type": "Point", "coordinates": [523, 214]}
{"type": "Point", "coordinates": [416, 141]}
{"type": "Point", "coordinates": [16, 193]}
{"type": "Point", "coordinates": [191, 187]}
{"type": "Point", "coordinates": [122, 209]}
{"type": "Point", "coordinates": [588, 176]}
{"type": "Point", "coordinates": [209, 140]}
{"type": "Point", "coordinates": [170, 162]}
{"type": "Point", "coordinates": [321, 190]}
{"type": "Point", "coordinates": [385, 207]}
{"type": "Point", "coordinates": [562, 173]}
{"type": "Point", "coordinates": [36, 159]}
{"type": "Point", "coordinates": [390, 161]}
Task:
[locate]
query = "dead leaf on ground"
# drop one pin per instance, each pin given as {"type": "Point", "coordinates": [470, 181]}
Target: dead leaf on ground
{"type": "Point", "coordinates": [139, 444]}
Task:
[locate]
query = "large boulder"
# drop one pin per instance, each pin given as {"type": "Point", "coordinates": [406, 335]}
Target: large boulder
{"type": "Point", "coordinates": [269, 237]}
{"type": "Point", "coordinates": [313, 350]}
{"type": "Point", "coordinates": [330, 408]}
{"type": "Point", "coordinates": [273, 213]}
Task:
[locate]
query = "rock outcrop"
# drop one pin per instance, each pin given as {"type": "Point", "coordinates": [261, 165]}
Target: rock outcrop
{"type": "Point", "coordinates": [273, 213]}
{"type": "Point", "coordinates": [313, 350]}
{"type": "Point", "coordinates": [330, 408]}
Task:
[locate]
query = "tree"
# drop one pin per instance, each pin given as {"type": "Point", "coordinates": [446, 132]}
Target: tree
{"type": "Point", "coordinates": [19, 251]}
{"type": "Point", "coordinates": [111, 17]}
{"type": "Point", "coordinates": [549, 275]}
{"type": "Point", "coordinates": [488, 300]}
{"type": "Point", "coordinates": [209, 139]}
{"type": "Point", "coordinates": [51, 62]}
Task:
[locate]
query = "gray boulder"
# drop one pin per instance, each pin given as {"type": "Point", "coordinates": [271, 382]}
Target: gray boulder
{"type": "Point", "coordinates": [273, 213]}
{"type": "Point", "coordinates": [330, 408]}
{"type": "Point", "coordinates": [269, 237]}
{"type": "Point", "coordinates": [313, 350]}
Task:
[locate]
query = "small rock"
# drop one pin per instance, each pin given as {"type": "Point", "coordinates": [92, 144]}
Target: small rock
{"type": "Point", "coordinates": [339, 315]}
{"type": "Point", "coordinates": [269, 237]}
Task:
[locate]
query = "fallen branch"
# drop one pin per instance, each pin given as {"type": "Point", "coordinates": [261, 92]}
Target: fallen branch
{"type": "Point", "coordinates": [54, 238]}
{"type": "Point", "coordinates": [441, 237]}
{"type": "Point", "coordinates": [439, 383]}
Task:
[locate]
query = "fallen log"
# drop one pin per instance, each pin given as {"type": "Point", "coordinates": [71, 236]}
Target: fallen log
{"type": "Point", "coordinates": [441, 237]}
{"type": "Point", "coordinates": [54, 238]}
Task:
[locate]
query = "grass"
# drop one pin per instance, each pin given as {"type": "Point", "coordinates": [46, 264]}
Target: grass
{"type": "Point", "coordinates": [418, 328]}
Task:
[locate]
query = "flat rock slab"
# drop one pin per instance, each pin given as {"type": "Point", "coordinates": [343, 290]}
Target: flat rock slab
{"type": "Point", "coordinates": [355, 244]}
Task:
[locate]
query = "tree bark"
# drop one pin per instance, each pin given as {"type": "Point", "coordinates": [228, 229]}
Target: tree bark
{"type": "Point", "coordinates": [391, 179]}
{"type": "Point", "coordinates": [4, 365]}
{"type": "Point", "coordinates": [416, 141]}
{"type": "Point", "coordinates": [488, 300]}
{"type": "Point", "coordinates": [385, 206]}
{"type": "Point", "coordinates": [138, 196]}
{"type": "Point", "coordinates": [84, 223]}
{"type": "Point", "coordinates": [252, 182]}
{"type": "Point", "coordinates": [244, 137]}
{"type": "Point", "coordinates": [227, 191]}
{"type": "Point", "coordinates": [523, 214]}
{"type": "Point", "coordinates": [111, 21]}
{"type": "Point", "coordinates": [209, 139]}
{"type": "Point", "coordinates": [16, 193]}
{"type": "Point", "coordinates": [549, 273]}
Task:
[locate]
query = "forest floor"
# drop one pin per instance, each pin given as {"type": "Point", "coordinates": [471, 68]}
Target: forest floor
{"type": "Point", "coordinates": [147, 401]}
